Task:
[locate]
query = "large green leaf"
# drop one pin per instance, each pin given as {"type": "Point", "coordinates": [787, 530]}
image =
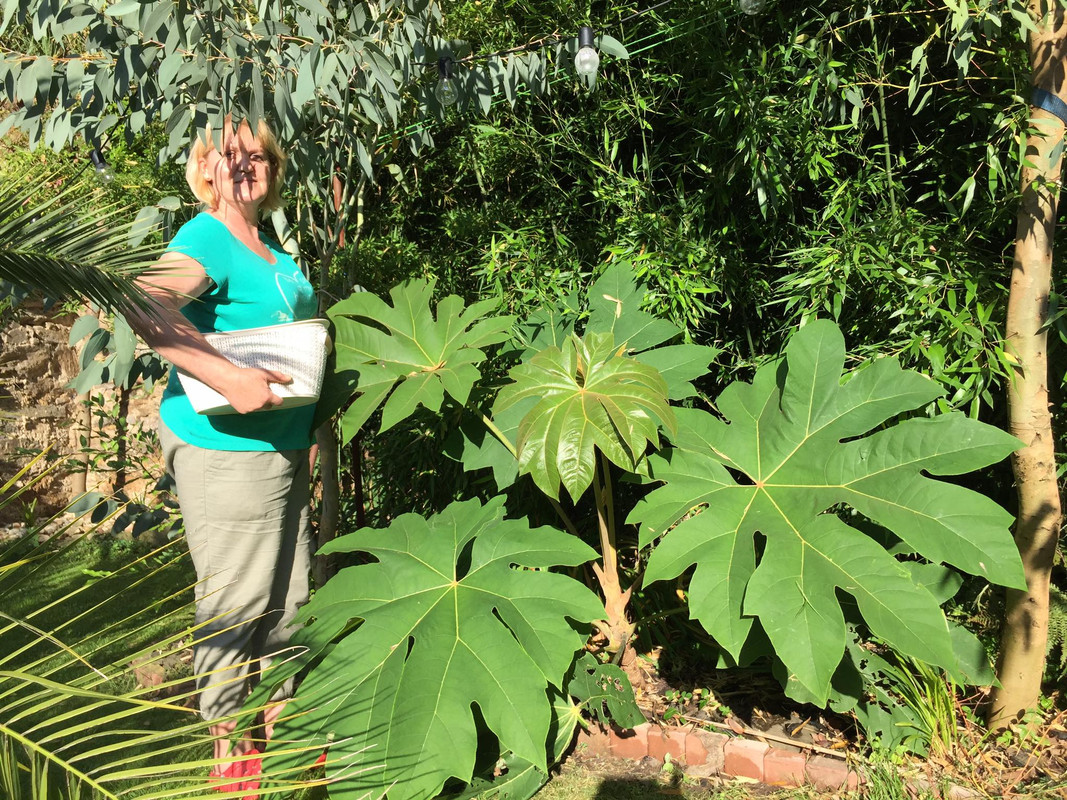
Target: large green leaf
{"type": "Point", "coordinates": [404, 354]}
{"type": "Point", "coordinates": [615, 302]}
{"type": "Point", "coordinates": [521, 778]}
{"type": "Point", "coordinates": [795, 436]}
{"type": "Point", "coordinates": [589, 396]}
{"type": "Point", "coordinates": [615, 305]}
{"type": "Point", "coordinates": [459, 611]}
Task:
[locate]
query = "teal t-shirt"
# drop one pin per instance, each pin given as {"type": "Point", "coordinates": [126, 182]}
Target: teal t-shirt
{"type": "Point", "coordinates": [247, 291]}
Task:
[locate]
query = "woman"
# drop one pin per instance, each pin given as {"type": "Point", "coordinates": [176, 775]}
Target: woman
{"type": "Point", "coordinates": [242, 479]}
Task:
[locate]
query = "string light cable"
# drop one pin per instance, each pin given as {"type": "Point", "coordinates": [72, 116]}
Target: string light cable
{"type": "Point", "coordinates": [642, 45]}
{"type": "Point", "coordinates": [548, 41]}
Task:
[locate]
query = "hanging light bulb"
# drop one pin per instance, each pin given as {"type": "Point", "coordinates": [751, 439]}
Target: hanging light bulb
{"type": "Point", "coordinates": [587, 60]}
{"type": "Point", "coordinates": [752, 7]}
{"type": "Point", "coordinates": [105, 176]}
{"type": "Point", "coordinates": [446, 87]}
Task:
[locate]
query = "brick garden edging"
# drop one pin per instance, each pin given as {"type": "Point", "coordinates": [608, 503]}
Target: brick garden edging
{"type": "Point", "coordinates": [702, 754]}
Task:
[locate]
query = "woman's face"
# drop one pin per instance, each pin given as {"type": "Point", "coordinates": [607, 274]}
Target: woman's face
{"type": "Point", "coordinates": [241, 172]}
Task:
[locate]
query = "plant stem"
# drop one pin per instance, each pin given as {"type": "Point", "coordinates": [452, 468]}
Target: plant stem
{"type": "Point", "coordinates": [499, 434]}
{"type": "Point", "coordinates": [616, 600]}
{"type": "Point", "coordinates": [606, 518]}
{"type": "Point", "coordinates": [884, 125]}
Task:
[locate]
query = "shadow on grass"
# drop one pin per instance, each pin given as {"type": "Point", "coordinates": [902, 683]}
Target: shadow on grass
{"type": "Point", "coordinates": [634, 789]}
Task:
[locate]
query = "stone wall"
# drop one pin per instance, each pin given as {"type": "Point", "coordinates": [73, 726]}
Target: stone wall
{"type": "Point", "coordinates": [38, 412]}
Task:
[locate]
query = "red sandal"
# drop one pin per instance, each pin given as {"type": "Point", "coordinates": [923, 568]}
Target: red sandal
{"type": "Point", "coordinates": [233, 772]}
{"type": "Point", "coordinates": [253, 768]}
{"type": "Point", "coordinates": [243, 774]}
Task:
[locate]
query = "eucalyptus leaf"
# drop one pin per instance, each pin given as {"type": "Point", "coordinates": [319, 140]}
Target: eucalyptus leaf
{"type": "Point", "coordinates": [82, 327]}
{"type": "Point", "coordinates": [612, 46]}
{"type": "Point", "coordinates": [146, 221]}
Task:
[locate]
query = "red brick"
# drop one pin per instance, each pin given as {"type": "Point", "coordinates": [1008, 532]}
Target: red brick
{"type": "Point", "coordinates": [743, 758]}
{"type": "Point", "coordinates": [855, 780]}
{"type": "Point", "coordinates": [630, 744]}
{"type": "Point", "coordinates": [706, 745]}
{"type": "Point", "coordinates": [828, 773]}
{"type": "Point", "coordinates": [667, 741]}
{"type": "Point", "coordinates": [148, 675]}
{"type": "Point", "coordinates": [783, 767]}
{"type": "Point", "coordinates": [695, 751]}
{"type": "Point", "coordinates": [595, 740]}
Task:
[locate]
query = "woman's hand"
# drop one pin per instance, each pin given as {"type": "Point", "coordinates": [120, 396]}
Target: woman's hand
{"type": "Point", "coordinates": [247, 389]}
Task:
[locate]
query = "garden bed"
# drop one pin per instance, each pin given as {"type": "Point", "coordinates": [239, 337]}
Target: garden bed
{"type": "Point", "coordinates": [723, 727]}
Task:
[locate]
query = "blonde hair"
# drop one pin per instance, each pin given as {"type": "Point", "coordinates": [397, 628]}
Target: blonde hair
{"type": "Point", "coordinates": [205, 143]}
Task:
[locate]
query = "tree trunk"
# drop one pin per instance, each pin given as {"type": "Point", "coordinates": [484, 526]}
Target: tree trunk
{"type": "Point", "coordinates": [618, 628]}
{"type": "Point", "coordinates": [81, 433]}
{"type": "Point", "coordinates": [1024, 631]}
{"type": "Point", "coordinates": [324, 567]}
{"type": "Point", "coordinates": [122, 436]}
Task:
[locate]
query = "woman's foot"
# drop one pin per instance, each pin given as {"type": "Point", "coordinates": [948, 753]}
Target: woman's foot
{"type": "Point", "coordinates": [253, 768]}
{"type": "Point", "coordinates": [229, 778]}
{"type": "Point", "coordinates": [241, 776]}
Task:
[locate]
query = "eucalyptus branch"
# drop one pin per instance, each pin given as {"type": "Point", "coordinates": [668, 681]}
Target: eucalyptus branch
{"type": "Point", "coordinates": [337, 229]}
{"type": "Point", "coordinates": [342, 211]}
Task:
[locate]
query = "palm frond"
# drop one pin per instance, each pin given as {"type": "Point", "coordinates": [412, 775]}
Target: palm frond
{"type": "Point", "coordinates": [56, 246]}
{"type": "Point", "coordinates": [74, 723]}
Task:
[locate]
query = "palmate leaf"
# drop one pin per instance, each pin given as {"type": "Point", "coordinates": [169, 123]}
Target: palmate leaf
{"type": "Point", "coordinates": [403, 354]}
{"type": "Point", "coordinates": [589, 396]}
{"type": "Point", "coordinates": [522, 778]}
{"type": "Point", "coordinates": [459, 611]}
{"type": "Point", "coordinates": [795, 433]}
{"type": "Point", "coordinates": [614, 302]}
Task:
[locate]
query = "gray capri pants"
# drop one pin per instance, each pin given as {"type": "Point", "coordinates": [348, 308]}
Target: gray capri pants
{"type": "Point", "coordinates": [246, 524]}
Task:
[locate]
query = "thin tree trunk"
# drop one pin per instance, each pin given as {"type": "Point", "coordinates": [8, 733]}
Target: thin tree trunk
{"type": "Point", "coordinates": [81, 434]}
{"type": "Point", "coordinates": [1024, 631]}
{"type": "Point", "coordinates": [619, 629]}
{"type": "Point", "coordinates": [324, 567]}
{"type": "Point", "coordinates": [123, 441]}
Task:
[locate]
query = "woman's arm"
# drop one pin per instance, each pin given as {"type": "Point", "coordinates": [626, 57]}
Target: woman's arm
{"type": "Point", "coordinates": [171, 283]}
